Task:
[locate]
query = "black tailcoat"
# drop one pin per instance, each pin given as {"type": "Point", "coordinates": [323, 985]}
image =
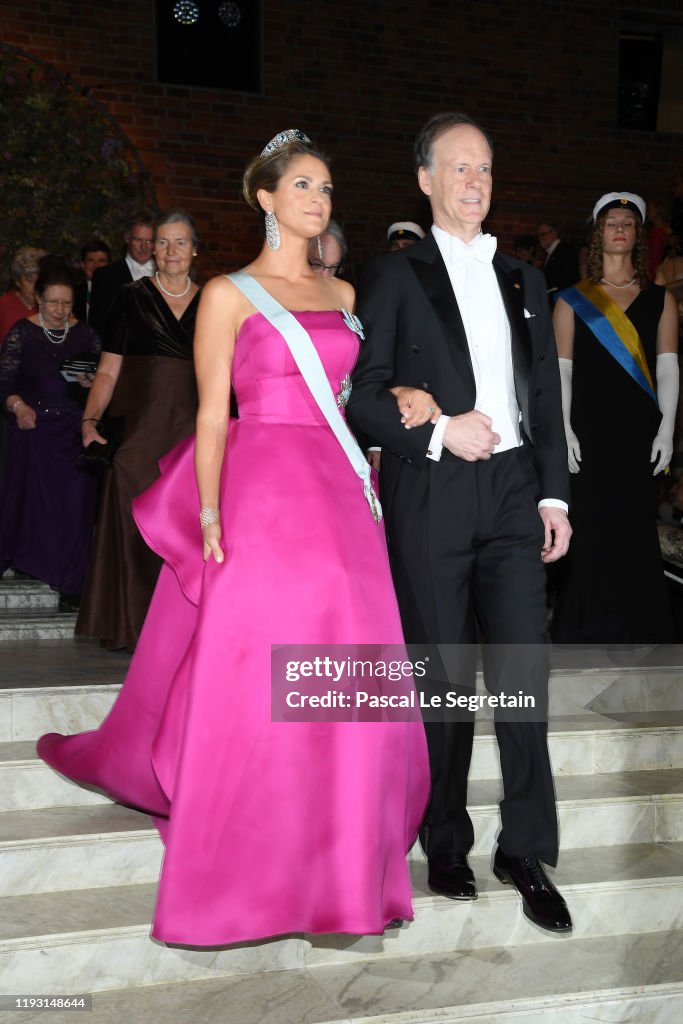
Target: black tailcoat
{"type": "Point", "coordinates": [465, 538]}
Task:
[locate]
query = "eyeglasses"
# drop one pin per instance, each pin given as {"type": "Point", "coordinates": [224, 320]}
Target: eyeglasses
{"type": "Point", "coordinates": [67, 303]}
{"type": "Point", "coordinates": [318, 267]}
{"type": "Point", "coordinates": [544, 234]}
{"type": "Point", "coordinates": [147, 243]}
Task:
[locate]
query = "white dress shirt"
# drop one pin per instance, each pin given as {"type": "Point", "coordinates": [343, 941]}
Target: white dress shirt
{"type": "Point", "coordinates": [487, 329]}
{"type": "Point", "coordinates": [140, 270]}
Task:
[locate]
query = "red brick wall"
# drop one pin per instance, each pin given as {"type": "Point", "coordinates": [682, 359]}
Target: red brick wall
{"type": "Point", "coordinates": [360, 77]}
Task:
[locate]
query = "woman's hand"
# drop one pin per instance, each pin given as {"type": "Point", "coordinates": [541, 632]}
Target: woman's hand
{"type": "Point", "coordinates": [90, 433]}
{"type": "Point", "coordinates": [573, 449]}
{"type": "Point", "coordinates": [417, 407]}
{"type": "Point", "coordinates": [211, 535]}
{"type": "Point", "coordinates": [662, 450]}
{"type": "Point", "coordinates": [374, 457]}
{"type": "Point", "coordinates": [85, 379]}
{"type": "Point", "coordinates": [25, 416]}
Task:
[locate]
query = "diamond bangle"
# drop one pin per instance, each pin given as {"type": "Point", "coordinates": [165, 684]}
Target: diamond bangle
{"type": "Point", "coordinates": [207, 516]}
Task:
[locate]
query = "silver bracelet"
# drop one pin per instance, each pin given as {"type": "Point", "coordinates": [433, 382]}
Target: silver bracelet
{"type": "Point", "coordinates": [208, 516]}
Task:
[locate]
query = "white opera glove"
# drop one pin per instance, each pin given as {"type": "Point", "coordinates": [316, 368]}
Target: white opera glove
{"type": "Point", "coordinates": [573, 447]}
{"type": "Point", "coordinates": [667, 397]}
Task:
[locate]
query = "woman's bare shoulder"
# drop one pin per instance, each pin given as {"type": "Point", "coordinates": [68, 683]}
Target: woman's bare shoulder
{"type": "Point", "coordinates": [344, 293]}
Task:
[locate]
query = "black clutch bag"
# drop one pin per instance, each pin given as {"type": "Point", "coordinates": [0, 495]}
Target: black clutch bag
{"type": "Point", "coordinates": [72, 368]}
{"type": "Point", "coordinates": [113, 429]}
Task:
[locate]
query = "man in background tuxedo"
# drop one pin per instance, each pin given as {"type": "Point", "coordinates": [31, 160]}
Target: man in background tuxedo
{"type": "Point", "coordinates": [94, 254]}
{"type": "Point", "coordinates": [108, 281]}
{"type": "Point", "coordinates": [561, 265]}
{"type": "Point", "coordinates": [467, 533]}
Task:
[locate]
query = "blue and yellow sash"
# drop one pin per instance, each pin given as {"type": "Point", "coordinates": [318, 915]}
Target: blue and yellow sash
{"type": "Point", "coordinates": [613, 329]}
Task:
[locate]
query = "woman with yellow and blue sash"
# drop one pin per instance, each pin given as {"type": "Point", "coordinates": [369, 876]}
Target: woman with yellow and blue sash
{"type": "Point", "coordinates": [617, 339]}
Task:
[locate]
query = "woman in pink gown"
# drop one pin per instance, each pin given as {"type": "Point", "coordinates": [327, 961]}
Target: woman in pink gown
{"type": "Point", "coordinates": [269, 827]}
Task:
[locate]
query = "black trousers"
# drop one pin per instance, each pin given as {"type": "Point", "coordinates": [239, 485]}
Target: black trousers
{"type": "Point", "coordinates": [465, 542]}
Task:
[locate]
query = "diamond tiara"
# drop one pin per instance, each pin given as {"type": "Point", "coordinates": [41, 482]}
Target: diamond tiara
{"type": "Point", "coordinates": [283, 139]}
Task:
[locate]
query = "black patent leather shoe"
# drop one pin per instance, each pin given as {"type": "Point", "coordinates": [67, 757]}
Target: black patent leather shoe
{"type": "Point", "coordinates": [541, 902]}
{"type": "Point", "coordinates": [452, 877]}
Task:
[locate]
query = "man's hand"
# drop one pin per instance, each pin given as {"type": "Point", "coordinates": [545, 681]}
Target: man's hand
{"type": "Point", "coordinates": [557, 533]}
{"type": "Point", "coordinates": [470, 437]}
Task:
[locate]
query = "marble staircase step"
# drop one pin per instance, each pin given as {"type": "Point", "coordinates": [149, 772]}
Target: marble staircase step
{"type": "Point", "coordinates": [64, 848]}
{"type": "Point", "coordinates": [41, 623]}
{"type": "Point", "coordinates": [27, 783]}
{"type": "Point", "coordinates": [55, 938]}
{"type": "Point", "coordinates": [578, 684]}
{"type": "Point", "coordinates": [61, 848]}
{"type": "Point", "coordinates": [464, 984]}
{"type": "Point", "coordinates": [579, 742]}
{"type": "Point", "coordinates": [294, 997]}
{"type": "Point", "coordinates": [26, 712]}
{"type": "Point", "coordinates": [18, 594]}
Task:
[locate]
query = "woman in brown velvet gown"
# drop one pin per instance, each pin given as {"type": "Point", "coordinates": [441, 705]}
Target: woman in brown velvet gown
{"type": "Point", "coordinates": [146, 375]}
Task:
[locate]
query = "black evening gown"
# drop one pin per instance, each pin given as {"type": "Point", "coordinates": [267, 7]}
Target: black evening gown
{"type": "Point", "coordinates": [157, 396]}
{"type": "Point", "coordinates": [612, 588]}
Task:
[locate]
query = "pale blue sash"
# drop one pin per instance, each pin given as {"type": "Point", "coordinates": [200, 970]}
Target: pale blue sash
{"type": "Point", "coordinates": [312, 370]}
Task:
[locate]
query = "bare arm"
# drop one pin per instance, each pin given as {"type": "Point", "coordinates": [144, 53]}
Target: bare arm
{"type": "Point", "coordinates": [217, 320]}
{"type": "Point", "coordinates": [563, 325]}
{"type": "Point", "coordinates": [100, 396]}
{"type": "Point", "coordinates": [667, 331]}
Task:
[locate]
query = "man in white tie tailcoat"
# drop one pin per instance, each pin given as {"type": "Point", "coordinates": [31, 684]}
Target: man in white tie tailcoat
{"type": "Point", "coordinates": [475, 500]}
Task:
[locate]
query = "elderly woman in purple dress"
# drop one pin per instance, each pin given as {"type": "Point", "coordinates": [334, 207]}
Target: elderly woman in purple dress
{"type": "Point", "coordinates": [47, 498]}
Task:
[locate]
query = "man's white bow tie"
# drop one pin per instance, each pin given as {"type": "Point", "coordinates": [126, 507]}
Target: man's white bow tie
{"type": "Point", "coordinates": [481, 248]}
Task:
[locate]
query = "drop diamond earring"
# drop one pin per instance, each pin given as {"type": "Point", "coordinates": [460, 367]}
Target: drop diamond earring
{"type": "Point", "coordinates": [320, 249]}
{"type": "Point", "coordinates": [272, 231]}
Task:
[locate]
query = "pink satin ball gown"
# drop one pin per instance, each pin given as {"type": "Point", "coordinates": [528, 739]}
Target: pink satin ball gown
{"type": "Point", "coordinates": [269, 827]}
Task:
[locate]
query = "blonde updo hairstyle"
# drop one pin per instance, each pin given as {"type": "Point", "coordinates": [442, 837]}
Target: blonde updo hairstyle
{"type": "Point", "coordinates": [265, 172]}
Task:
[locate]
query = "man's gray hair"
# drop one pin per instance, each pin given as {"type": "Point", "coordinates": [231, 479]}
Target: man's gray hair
{"type": "Point", "coordinates": [436, 126]}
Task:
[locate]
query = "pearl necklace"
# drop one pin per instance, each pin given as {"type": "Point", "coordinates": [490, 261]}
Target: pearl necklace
{"type": "Point", "coordinates": [51, 334]}
{"type": "Point", "coordinates": [173, 295]}
{"type": "Point", "coordinates": [626, 284]}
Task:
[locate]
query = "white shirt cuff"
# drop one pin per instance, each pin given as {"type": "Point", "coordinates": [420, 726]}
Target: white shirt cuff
{"type": "Point", "coordinates": [554, 503]}
{"type": "Point", "coordinates": [374, 448]}
{"type": "Point", "coordinates": [435, 446]}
